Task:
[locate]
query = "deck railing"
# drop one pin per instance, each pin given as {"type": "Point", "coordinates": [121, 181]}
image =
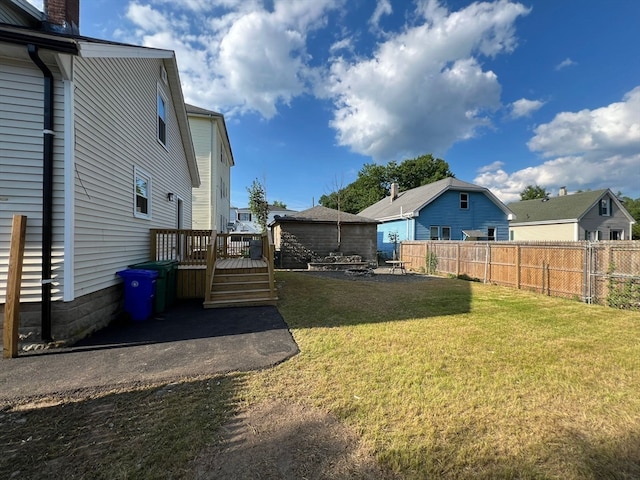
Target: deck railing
{"type": "Point", "coordinates": [188, 247]}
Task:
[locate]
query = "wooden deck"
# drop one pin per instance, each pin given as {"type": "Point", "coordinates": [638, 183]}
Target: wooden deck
{"type": "Point", "coordinates": [217, 267]}
{"type": "Point", "coordinates": [239, 263]}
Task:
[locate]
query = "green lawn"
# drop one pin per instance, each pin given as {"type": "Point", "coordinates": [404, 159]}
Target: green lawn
{"type": "Point", "coordinates": [452, 379]}
{"type": "Point", "coordinates": [441, 378]}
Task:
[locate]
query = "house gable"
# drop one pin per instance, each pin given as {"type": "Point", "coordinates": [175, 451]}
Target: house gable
{"type": "Point", "coordinates": [447, 212]}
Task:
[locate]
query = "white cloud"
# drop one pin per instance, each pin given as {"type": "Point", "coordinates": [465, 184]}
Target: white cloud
{"type": "Point", "coordinates": [567, 62]}
{"type": "Point", "coordinates": [145, 17]}
{"type": "Point", "coordinates": [423, 89]}
{"type": "Point", "coordinates": [240, 56]}
{"type": "Point", "coordinates": [524, 107]}
{"type": "Point", "coordinates": [383, 7]}
{"type": "Point", "coordinates": [235, 56]}
{"type": "Point", "coordinates": [597, 148]}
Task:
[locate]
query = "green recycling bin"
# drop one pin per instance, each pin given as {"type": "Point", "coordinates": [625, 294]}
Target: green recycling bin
{"type": "Point", "coordinates": [165, 282]}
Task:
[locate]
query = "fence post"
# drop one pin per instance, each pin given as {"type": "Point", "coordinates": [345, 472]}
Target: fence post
{"type": "Point", "coordinates": [457, 259]}
{"type": "Point", "coordinates": [518, 273]}
{"type": "Point", "coordinates": [14, 277]}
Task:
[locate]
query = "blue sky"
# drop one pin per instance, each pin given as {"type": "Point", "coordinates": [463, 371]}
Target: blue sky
{"type": "Point", "coordinates": [540, 92]}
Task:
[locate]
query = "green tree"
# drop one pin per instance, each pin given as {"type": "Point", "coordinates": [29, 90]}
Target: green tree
{"type": "Point", "coordinates": [279, 204]}
{"type": "Point", "coordinates": [374, 182]}
{"type": "Point", "coordinates": [258, 204]}
{"type": "Point", "coordinates": [531, 192]}
{"type": "Point", "coordinates": [633, 207]}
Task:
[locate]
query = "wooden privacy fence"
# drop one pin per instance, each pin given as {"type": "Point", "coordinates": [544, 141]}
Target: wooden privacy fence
{"type": "Point", "coordinates": [594, 272]}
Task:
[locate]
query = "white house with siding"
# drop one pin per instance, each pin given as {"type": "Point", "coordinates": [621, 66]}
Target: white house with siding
{"type": "Point", "coordinates": [211, 201]}
{"type": "Point", "coordinates": [122, 163]}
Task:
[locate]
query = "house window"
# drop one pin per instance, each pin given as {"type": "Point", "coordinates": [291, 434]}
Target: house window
{"type": "Point", "coordinates": [491, 234]}
{"type": "Point", "coordinates": [512, 235]}
{"type": "Point", "coordinates": [615, 235]}
{"type": "Point", "coordinates": [446, 233]}
{"type": "Point", "coordinates": [605, 207]}
{"type": "Point", "coordinates": [162, 119]}
{"type": "Point", "coordinates": [464, 201]}
{"type": "Point", "coordinates": [141, 194]}
{"type": "Point", "coordinates": [244, 217]}
{"type": "Point", "coordinates": [435, 233]}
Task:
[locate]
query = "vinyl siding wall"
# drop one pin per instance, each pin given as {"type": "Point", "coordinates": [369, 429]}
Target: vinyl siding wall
{"type": "Point", "coordinates": [445, 211]}
{"type": "Point", "coordinates": [21, 146]}
{"type": "Point", "coordinates": [202, 130]}
{"type": "Point", "coordinates": [556, 232]}
{"type": "Point", "coordinates": [116, 130]}
{"type": "Point", "coordinates": [222, 175]}
{"type": "Point", "coordinates": [13, 17]}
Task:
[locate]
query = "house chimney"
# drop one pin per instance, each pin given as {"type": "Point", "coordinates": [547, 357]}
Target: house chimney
{"type": "Point", "coordinates": [394, 191]}
{"type": "Point", "coordinates": [562, 192]}
{"type": "Point", "coordinates": [62, 16]}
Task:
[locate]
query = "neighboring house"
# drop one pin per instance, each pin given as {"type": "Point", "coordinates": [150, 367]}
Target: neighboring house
{"type": "Point", "coordinates": [211, 202]}
{"type": "Point", "coordinates": [242, 220]}
{"type": "Point", "coordinates": [114, 160]}
{"type": "Point", "coordinates": [448, 209]}
{"type": "Point", "coordinates": [315, 233]}
{"type": "Point", "coordinates": [594, 215]}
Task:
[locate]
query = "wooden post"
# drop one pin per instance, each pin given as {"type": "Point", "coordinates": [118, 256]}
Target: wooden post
{"type": "Point", "coordinates": [14, 279]}
{"type": "Point", "coordinates": [518, 273]}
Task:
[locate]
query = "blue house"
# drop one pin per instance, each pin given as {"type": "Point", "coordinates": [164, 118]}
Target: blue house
{"type": "Point", "coordinates": [448, 209]}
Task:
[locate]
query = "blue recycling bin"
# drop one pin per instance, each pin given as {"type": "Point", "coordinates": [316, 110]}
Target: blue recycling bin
{"type": "Point", "coordinates": [139, 290]}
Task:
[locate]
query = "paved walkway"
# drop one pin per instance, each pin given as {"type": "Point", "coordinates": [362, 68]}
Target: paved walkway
{"type": "Point", "coordinates": [186, 342]}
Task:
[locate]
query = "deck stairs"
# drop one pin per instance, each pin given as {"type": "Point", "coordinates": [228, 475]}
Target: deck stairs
{"type": "Point", "coordinates": [240, 282]}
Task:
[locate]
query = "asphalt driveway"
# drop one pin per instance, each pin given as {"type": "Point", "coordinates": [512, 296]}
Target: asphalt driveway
{"type": "Point", "coordinates": [188, 341]}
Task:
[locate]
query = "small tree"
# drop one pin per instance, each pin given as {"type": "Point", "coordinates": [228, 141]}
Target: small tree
{"type": "Point", "coordinates": [278, 203]}
{"type": "Point", "coordinates": [258, 204]}
{"type": "Point", "coordinates": [532, 192]}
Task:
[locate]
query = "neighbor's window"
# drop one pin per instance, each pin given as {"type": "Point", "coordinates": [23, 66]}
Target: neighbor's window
{"type": "Point", "coordinates": [244, 217]}
{"type": "Point", "coordinates": [162, 119]}
{"type": "Point", "coordinates": [142, 194]}
{"type": "Point", "coordinates": [464, 201]}
{"type": "Point", "coordinates": [605, 207]}
{"type": "Point", "coordinates": [615, 235]}
{"type": "Point", "coordinates": [446, 233]}
{"type": "Point", "coordinates": [435, 231]}
{"type": "Point", "coordinates": [491, 234]}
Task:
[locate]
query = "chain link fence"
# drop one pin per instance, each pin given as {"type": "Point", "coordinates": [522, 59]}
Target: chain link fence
{"type": "Point", "coordinates": [606, 273]}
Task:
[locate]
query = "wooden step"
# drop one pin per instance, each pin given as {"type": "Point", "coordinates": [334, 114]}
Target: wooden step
{"type": "Point", "coordinates": [239, 294]}
{"type": "Point", "coordinates": [220, 277]}
{"type": "Point", "coordinates": [257, 302]}
{"type": "Point", "coordinates": [232, 286]}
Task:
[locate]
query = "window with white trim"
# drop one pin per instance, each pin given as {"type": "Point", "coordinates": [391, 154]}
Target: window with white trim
{"type": "Point", "coordinates": [141, 194]}
{"type": "Point", "coordinates": [162, 118]}
{"type": "Point", "coordinates": [605, 207]}
{"type": "Point", "coordinates": [434, 233]}
{"type": "Point", "coordinates": [464, 201]}
{"type": "Point", "coordinates": [446, 233]}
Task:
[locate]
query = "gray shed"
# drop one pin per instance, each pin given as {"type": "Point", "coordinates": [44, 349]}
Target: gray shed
{"type": "Point", "coordinates": [318, 232]}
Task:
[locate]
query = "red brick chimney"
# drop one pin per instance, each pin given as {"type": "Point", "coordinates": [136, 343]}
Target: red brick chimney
{"type": "Point", "coordinates": [63, 16]}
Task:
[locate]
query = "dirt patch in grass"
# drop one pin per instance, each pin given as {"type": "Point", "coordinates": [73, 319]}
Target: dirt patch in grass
{"type": "Point", "coordinates": [277, 440]}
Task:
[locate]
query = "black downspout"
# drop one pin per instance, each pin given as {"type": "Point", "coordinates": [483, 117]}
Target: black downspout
{"type": "Point", "coordinates": [47, 192]}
